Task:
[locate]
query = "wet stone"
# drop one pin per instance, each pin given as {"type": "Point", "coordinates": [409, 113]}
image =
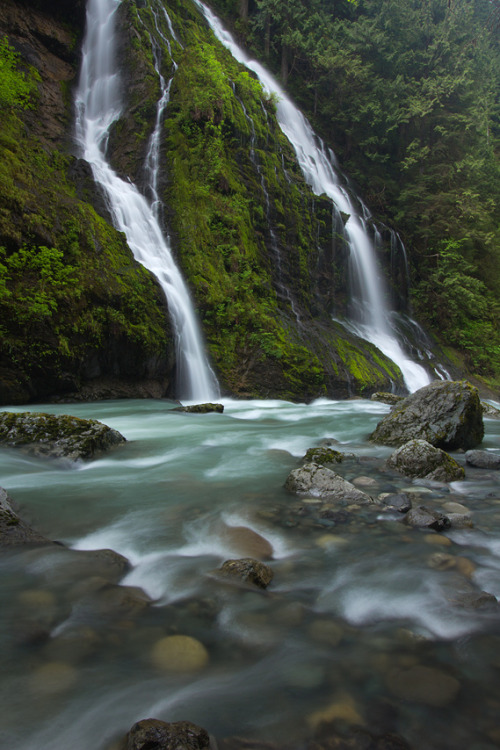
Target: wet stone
{"type": "Point", "coordinates": [247, 570]}
{"type": "Point", "coordinates": [179, 653]}
{"type": "Point", "coordinates": [422, 517]}
{"type": "Point", "coordinates": [153, 734]}
{"type": "Point", "coordinates": [399, 502]}
{"type": "Point", "coordinates": [483, 459]}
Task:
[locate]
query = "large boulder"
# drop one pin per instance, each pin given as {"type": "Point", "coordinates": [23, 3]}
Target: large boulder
{"type": "Point", "coordinates": [418, 458]}
{"type": "Point", "coordinates": [57, 435]}
{"type": "Point", "coordinates": [448, 414]}
{"type": "Point", "coordinates": [318, 481]}
{"type": "Point", "coordinates": [153, 734]}
{"type": "Point", "coordinates": [13, 530]}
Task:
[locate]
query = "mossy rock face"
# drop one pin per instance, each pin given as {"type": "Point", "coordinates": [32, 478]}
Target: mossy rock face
{"type": "Point", "coordinates": [446, 414]}
{"type": "Point", "coordinates": [418, 458]}
{"type": "Point", "coordinates": [57, 436]}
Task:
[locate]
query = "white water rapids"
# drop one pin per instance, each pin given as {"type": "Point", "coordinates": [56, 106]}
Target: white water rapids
{"type": "Point", "coordinates": [98, 107]}
{"type": "Point", "coordinates": [316, 162]}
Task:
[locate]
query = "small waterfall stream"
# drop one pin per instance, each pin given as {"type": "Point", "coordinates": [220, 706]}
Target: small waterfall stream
{"type": "Point", "coordinates": [98, 107]}
{"type": "Point", "coordinates": [317, 164]}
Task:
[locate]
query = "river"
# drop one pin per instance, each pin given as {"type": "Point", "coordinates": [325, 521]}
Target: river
{"type": "Point", "coordinates": [364, 623]}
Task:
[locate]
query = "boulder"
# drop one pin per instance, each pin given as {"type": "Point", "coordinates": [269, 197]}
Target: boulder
{"type": "Point", "coordinates": [425, 518]}
{"type": "Point", "coordinates": [448, 414]}
{"type": "Point", "coordinates": [201, 408]}
{"type": "Point", "coordinates": [244, 541]}
{"type": "Point", "coordinates": [483, 459]}
{"type": "Point", "coordinates": [248, 571]}
{"type": "Point", "coordinates": [153, 734]}
{"type": "Point", "coordinates": [490, 411]}
{"type": "Point", "coordinates": [399, 501]}
{"type": "Point", "coordinates": [418, 458]}
{"type": "Point", "coordinates": [13, 530]}
{"type": "Point", "coordinates": [57, 435]}
{"type": "Point", "coordinates": [318, 481]}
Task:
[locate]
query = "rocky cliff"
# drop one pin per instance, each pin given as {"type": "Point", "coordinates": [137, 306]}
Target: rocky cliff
{"type": "Point", "coordinates": [264, 258]}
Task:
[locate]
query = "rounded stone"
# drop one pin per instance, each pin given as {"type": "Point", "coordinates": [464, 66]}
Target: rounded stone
{"type": "Point", "coordinates": [179, 653]}
{"type": "Point", "coordinates": [453, 507]}
{"type": "Point", "coordinates": [426, 685]}
{"type": "Point", "coordinates": [153, 734]}
{"type": "Point", "coordinates": [249, 571]}
{"type": "Point", "coordinates": [246, 542]}
{"type": "Point", "coordinates": [441, 541]}
{"type": "Point", "coordinates": [343, 708]}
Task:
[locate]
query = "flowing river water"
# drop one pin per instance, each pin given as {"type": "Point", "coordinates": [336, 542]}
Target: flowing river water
{"type": "Point", "coordinates": [367, 622]}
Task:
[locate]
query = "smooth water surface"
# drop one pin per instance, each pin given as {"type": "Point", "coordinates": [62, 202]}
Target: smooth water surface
{"type": "Point", "coordinates": [361, 607]}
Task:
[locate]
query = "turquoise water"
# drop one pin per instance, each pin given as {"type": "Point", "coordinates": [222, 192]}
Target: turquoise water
{"type": "Point", "coordinates": [359, 611]}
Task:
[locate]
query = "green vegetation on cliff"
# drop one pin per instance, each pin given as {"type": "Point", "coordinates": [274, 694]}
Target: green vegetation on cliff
{"type": "Point", "coordinates": [407, 92]}
{"type": "Point", "coordinates": [74, 305]}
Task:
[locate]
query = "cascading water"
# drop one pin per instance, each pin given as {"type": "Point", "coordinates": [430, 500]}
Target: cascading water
{"type": "Point", "coordinates": [317, 165]}
{"type": "Point", "coordinates": [98, 107]}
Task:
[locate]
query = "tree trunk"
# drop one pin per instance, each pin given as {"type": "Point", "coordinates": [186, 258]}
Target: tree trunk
{"type": "Point", "coordinates": [284, 64]}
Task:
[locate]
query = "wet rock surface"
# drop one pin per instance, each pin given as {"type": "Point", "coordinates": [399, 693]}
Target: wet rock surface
{"type": "Point", "coordinates": [153, 734]}
{"type": "Point", "coordinates": [418, 458]}
{"type": "Point", "coordinates": [56, 436]}
{"type": "Point", "coordinates": [201, 408]}
{"type": "Point", "coordinates": [319, 481]}
{"type": "Point", "coordinates": [13, 530]}
{"type": "Point", "coordinates": [247, 571]}
{"type": "Point", "coordinates": [426, 518]}
{"type": "Point", "coordinates": [483, 459]}
{"type": "Point", "coordinates": [446, 414]}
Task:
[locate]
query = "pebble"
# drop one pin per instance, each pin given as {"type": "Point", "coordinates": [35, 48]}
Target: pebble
{"type": "Point", "coordinates": [453, 507]}
{"type": "Point", "coordinates": [327, 541]}
{"type": "Point", "coordinates": [436, 539]}
{"type": "Point", "coordinates": [365, 482]}
{"type": "Point", "coordinates": [327, 632]}
{"type": "Point", "coordinates": [179, 653]}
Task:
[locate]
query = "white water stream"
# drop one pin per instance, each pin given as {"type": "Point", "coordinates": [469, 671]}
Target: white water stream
{"type": "Point", "coordinates": [317, 166]}
{"type": "Point", "coordinates": [98, 108]}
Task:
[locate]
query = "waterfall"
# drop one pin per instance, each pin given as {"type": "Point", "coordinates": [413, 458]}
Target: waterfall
{"type": "Point", "coordinates": [98, 106]}
{"type": "Point", "coordinates": [318, 167]}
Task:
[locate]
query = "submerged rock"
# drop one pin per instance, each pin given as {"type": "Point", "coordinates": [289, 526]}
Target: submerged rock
{"type": "Point", "coordinates": [57, 436]}
{"type": "Point", "coordinates": [247, 542]}
{"type": "Point", "coordinates": [426, 685]}
{"type": "Point", "coordinates": [447, 414]}
{"type": "Point", "coordinates": [418, 458]}
{"type": "Point", "coordinates": [13, 530]}
{"type": "Point", "coordinates": [201, 408]}
{"type": "Point", "coordinates": [318, 481]}
{"type": "Point", "coordinates": [483, 459]}
{"type": "Point", "coordinates": [153, 734]}
{"type": "Point", "coordinates": [396, 501]}
{"type": "Point", "coordinates": [179, 653]}
{"type": "Point", "coordinates": [248, 571]}
{"type": "Point", "coordinates": [424, 518]}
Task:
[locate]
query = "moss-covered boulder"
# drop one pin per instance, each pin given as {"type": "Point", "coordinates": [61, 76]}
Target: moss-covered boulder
{"type": "Point", "coordinates": [418, 458]}
{"type": "Point", "coordinates": [58, 436]}
{"type": "Point", "coordinates": [201, 408]}
{"type": "Point", "coordinates": [446, 414]}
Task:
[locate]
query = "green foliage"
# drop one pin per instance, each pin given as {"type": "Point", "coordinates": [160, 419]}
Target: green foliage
{"type": "Point", "coordinates": [461, 307]}
{"type": "Point", "coordinates": [16, 86]}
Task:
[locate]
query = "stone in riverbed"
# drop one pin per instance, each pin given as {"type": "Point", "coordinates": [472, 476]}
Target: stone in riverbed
{"type": "Point", "coordinates": [179, 653]}
{"type": "Point", "coordinates": [248, 571]}
{"type": "Point", "coordinates": [57, 436]}
{"type": "Point", "coordinates": [425, 518]}
{"type": "Point", "coordinates": [153, 734]}
{"type": "Point", "coordinates": [399, 501]}
{"type": "Point", "coordinates": [418, 458]}
{"type": "Point", "coordinates": [201, 408]}
{"type": "Point", "coordinates": [323, 455]}
{"type": "Point", "coordinates": [318, 481]}
{"type": "Point", "coordinates": [483, 459]}
{"type": "Point", "coordinates": [446, 414]}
